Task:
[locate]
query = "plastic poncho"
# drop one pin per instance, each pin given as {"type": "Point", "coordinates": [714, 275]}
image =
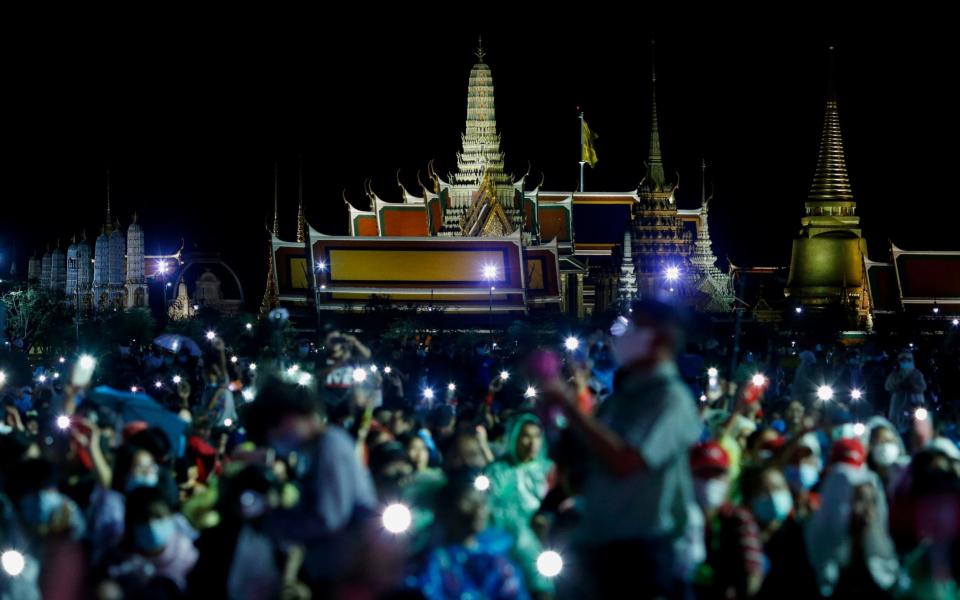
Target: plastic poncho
{"type": "Point", "coordinates": [516, 491]}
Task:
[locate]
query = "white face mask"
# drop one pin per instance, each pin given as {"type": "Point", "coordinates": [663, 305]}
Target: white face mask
{"type": "Point", "coordinates": [710, 493]}
{"type": "Point", "coordinates": [885, 454]}
{"type": "Point", "coordinates": [634, 345]}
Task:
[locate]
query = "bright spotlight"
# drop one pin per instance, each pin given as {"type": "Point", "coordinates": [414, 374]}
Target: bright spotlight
{"type": "Point", "coordinates": [504, 375]}
{"type": "Point", "coordinates": [824, 393]}
{"type": "Point", "coordinates": [571, 343]}
{"type": "Point", "coordinates": [759, 380]}
{"type": "Point", "coordinates": [321, 265]}
{"type": "Point", "coordinates": [63, 422]}
{"type": "Point", "coordinates": [253, 366]}
{"type": "Point", "coordinates": [234, 359]}
{"type": "Point", "coordinates": [397, 518]}
{"type": "Point", "coordinates": [712, 372]}
{"type": "Point", "coordinates": [481, 483]}
{"type": "Point", "coordinates": [373, 368]}
{"type": "Point", "coordinates": [531, 392]}
{"type": "Point", "coordinates": [387, 369]}
{"type": "Point", "coordinates": [249, 326]}
{"type": "Point", "coordinates": [451, 387]}
{"type": "Point", "coordinates": [489, 272]}
{"type": "Point", "coordinates": [859, 429]}
{"type": "Point", "coordinates": [359, 375]}
{"type": "Point", "coordinates": [13, 562]}
{"type": "Point", "coordinates": [133, 389]}
{"type": "Point", "coordinates": [672, 273]}
{"type": "Point", "coordinates": [856, 394]}
{"type": "Point", "coordinates": [304, 379]}
{"type": "Point", "coordinates": [87, 361]}
{"type": "Point", "coordinates": [248, 394]}
{"type": "Point", "coordinates": [920, 414]}
{"type": "Point", "coordinates": [211, 335]}
{"type": "Point", "coordinates": [428, 393]}
{"type": "Point", "coordinates": [61, 360]}
{"type": "Point", "coordinates": [42, 379]}
{"type": "Point", "coordinates": [228, 422]}
{"type": "Point", "coordinates": [798, 310]}
{"type": "Point", "coordinates": [549, 563]}
{"type": "Point", "coordinates": [3, 378]}
{"type": "Point", "coordinates": [177, 379]}
{"type": "Point", "coordinates": [157, 384]}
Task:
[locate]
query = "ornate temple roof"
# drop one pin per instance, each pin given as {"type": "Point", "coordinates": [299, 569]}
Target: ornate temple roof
{"type": "Point", "coordinates": [655, 179]}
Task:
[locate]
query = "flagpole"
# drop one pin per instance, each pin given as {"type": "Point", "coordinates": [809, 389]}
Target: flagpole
{"type": "Point", "coordinates": [581, 150]}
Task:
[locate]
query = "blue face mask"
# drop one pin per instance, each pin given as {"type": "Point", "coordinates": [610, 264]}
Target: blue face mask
{"type": "Point", "coordinates": [779, 425]}
{"type": "Point", "coordinates": [38, 509]}
{"type": "Point", "coordinates": [802, 476]}
{"type": "Point", "coordinates": [775, 507]}
{"type": "Point", "coordinates": [906, 365]}
{"type": "Point", "coordinates": [154, 535]}
{"type": "Point", "coordinates": [146, 480]}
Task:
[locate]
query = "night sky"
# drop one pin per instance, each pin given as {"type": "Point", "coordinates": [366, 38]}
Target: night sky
{"type": "Point", "coordinates": [190, 121]}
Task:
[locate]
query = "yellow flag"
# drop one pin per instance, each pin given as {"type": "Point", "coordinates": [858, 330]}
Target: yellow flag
{"type": "Point", "coordinates": [587, 152]}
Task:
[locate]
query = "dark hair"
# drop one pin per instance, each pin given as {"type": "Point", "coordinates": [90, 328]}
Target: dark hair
{"type": "Point", "coordinates": [275, 400]}
{"type": "Point", "coordinates": [751, 480]}
{"type": "Point", "coordinates": [154, 441]}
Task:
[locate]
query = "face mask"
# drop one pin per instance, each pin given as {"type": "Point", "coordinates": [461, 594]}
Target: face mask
{"type": "Point", "coordinates": [710, 493]}
{"type": "Point", "coordinates": [148, 480]}
{"type": "Point", "coordinates": [803, 476]}
{"type": "Point", "coordinates": [885, 454]}
{"type": "Point", "coordinates": [154, 535]}
{"type": "Point", "coordinates": [633, 346]}
{"type": "Point", "coordinates": [906, 365]}
{"type": "Point", "coordinates": [774, 507]}
{"type": "Point", "coordinates": [41, 507]}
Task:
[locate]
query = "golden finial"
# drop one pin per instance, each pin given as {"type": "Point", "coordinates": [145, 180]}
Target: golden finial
{"type": "Point", "coordinates": [480, 53]}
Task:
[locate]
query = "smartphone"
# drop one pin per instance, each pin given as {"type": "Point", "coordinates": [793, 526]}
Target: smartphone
{"type": "Point", "coordinates": [83, 371]}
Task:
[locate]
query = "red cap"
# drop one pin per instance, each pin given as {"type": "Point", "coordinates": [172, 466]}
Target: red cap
{"type": "Point", "coordinates": [848, 451]}
{"type": "Point", "coordinates": [774, 444]}
{"type": "Point", "coordinates": [133, 428]}
{"type": "Point", "coordinates": [709, 456]}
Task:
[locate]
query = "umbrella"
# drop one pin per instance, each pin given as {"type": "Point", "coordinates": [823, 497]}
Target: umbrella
{"type": "Point", "coordinates": [175, 343]}
{"type": "Point", "coordinates": [138, 406]}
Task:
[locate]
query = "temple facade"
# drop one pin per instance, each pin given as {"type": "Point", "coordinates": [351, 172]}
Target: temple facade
{"type": "Point", "coordinates": [605, 247]}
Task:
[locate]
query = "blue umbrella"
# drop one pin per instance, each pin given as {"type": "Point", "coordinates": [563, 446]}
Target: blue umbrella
{"type": "Point", "coordinates": [174, 343]}
{"type": "Point", "coordinates": [138, 406]}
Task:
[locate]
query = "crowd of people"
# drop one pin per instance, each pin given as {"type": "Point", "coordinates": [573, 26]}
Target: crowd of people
{"type": "Point", "coordinates": [627, 463]}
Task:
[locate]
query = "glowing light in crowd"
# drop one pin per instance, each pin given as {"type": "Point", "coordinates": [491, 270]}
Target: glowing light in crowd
{"type": "Point", "coordinates": [292, 369]}
{"type": "Point", "coordinates": [397, 518]}
{"type": "Point", "coordinates": [673, 273]}
{"type": "Point", "coordinates": [133, 389]}
{"type": "Point", "coordinates": [504, 375]}
{"type": "Point", "coordinates": [428, 393]}
{"type": "Point", "coordinates": [63, 422]}
{"type": "Point", "coordinates": [489, 272]}
{"type": "Point", "coordinates": [373, 368]}
{"type": "Point", "coordinates": [713, 372]}
{"type": "Point", "coordinates": [234, 359]}
{"type": "Point", "coordinates": [798, 309]}
{"type": "Point", "coordinates": [211, 335]}
{"type": "Point", "coordinates": [703, 397]}
{"type": "Point", "coordinates": [253, 366]}
{"type": "Point", "coordinates": [228, 422]}
{"type": "Point", "coordinates": [859, 429]}
{"type": "Point", "coordinates": [856, 394]}
{"type": "Point", "coordinates": [359, 375]}
{"type": "Point", "coordinates": [452, 387]}
{"type": "Point", "coordinates": [177, 379]}
{"type": "Point", "coordinates": [387, 369]}
{"type": "Point", "coordinates": [3, 378]}
{"type": "Point", "coordinates": [13, 562]}
{"type": "Point", "coordinates": [758, 380]}
{"type": "Point", "coordinates": [56, 375]}
{"type": "Point", "coordinates": [956, 322]}
{"type": "Point", "coordinates": [157, 384]}
{"type": "Point", "coordinates": [824, 393]}
{"type": "Point", "coordinates": [921, 414]}
{"type": "Point", "coordinates": [249, 326]}
{"type": "Point", "coordinates": [571, 343]}
{"type": "Point", "coordinates": [549, 563]}
{"type": "Point", "coordinates": [304, 379]}
{"type": "Point", "coordinates": [936, 310]}
{"type": "Point", "coordinates": [248, 394]}
{"type": "Point", "coordinates": [482, 483]}
{"type": "Point", "coordinates": [42, 379]}
{"type": "Point", "coordinates": [531, 392]}
{"type": "Point", "coordinates": [61, 360]}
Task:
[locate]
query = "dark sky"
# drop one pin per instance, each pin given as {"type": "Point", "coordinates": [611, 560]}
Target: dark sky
{"type": "Point", "coordinates": [190, 121]}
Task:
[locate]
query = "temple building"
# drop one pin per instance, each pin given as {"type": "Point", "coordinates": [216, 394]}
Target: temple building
{"type": "Point", "coordinates": [478, 240]}
{"type": "Point", "coordinates": [136, 282]}
{"type": "Point", "coordinates": [34, 269]}
{"type": "Point", "coordinates": [58, 269]}
{"type": "Point", "coordinates": [827, 262]}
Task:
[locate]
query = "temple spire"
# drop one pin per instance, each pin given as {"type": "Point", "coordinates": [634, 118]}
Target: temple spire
{"type": "Point", "coordinates": [830, 180]}
{"type": "Point", "coordinates": [109, 220]}
{"type": "Point", "coordinates": [301, 217]}
{"type": "Point", "coordinates": [276, 196]}
{"type": "Point", "coordinates": [654, 159]}
{"type": "Point", "coordinates": [480, 53]}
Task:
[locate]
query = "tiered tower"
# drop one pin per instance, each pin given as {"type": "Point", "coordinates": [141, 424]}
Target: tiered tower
{"type": "Point", "coordinates": [45, 270]}
{"type": "Point", "coordinates": [136, 286]}
{"type": "Point", "coordinates": [627, 286]}
{"type": "Point", "coordinates": [58, 269]}
{"type": "Point", "coordinates": [709, 279]}
{"type": "Point", "coordinates": [34, 269]}
{"type": "Point", "coordinates": [71, 289]}
{"type": "Point", "coordinates": [84, 272]}
{"type": "Point", "coordinates": [115, 268]}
